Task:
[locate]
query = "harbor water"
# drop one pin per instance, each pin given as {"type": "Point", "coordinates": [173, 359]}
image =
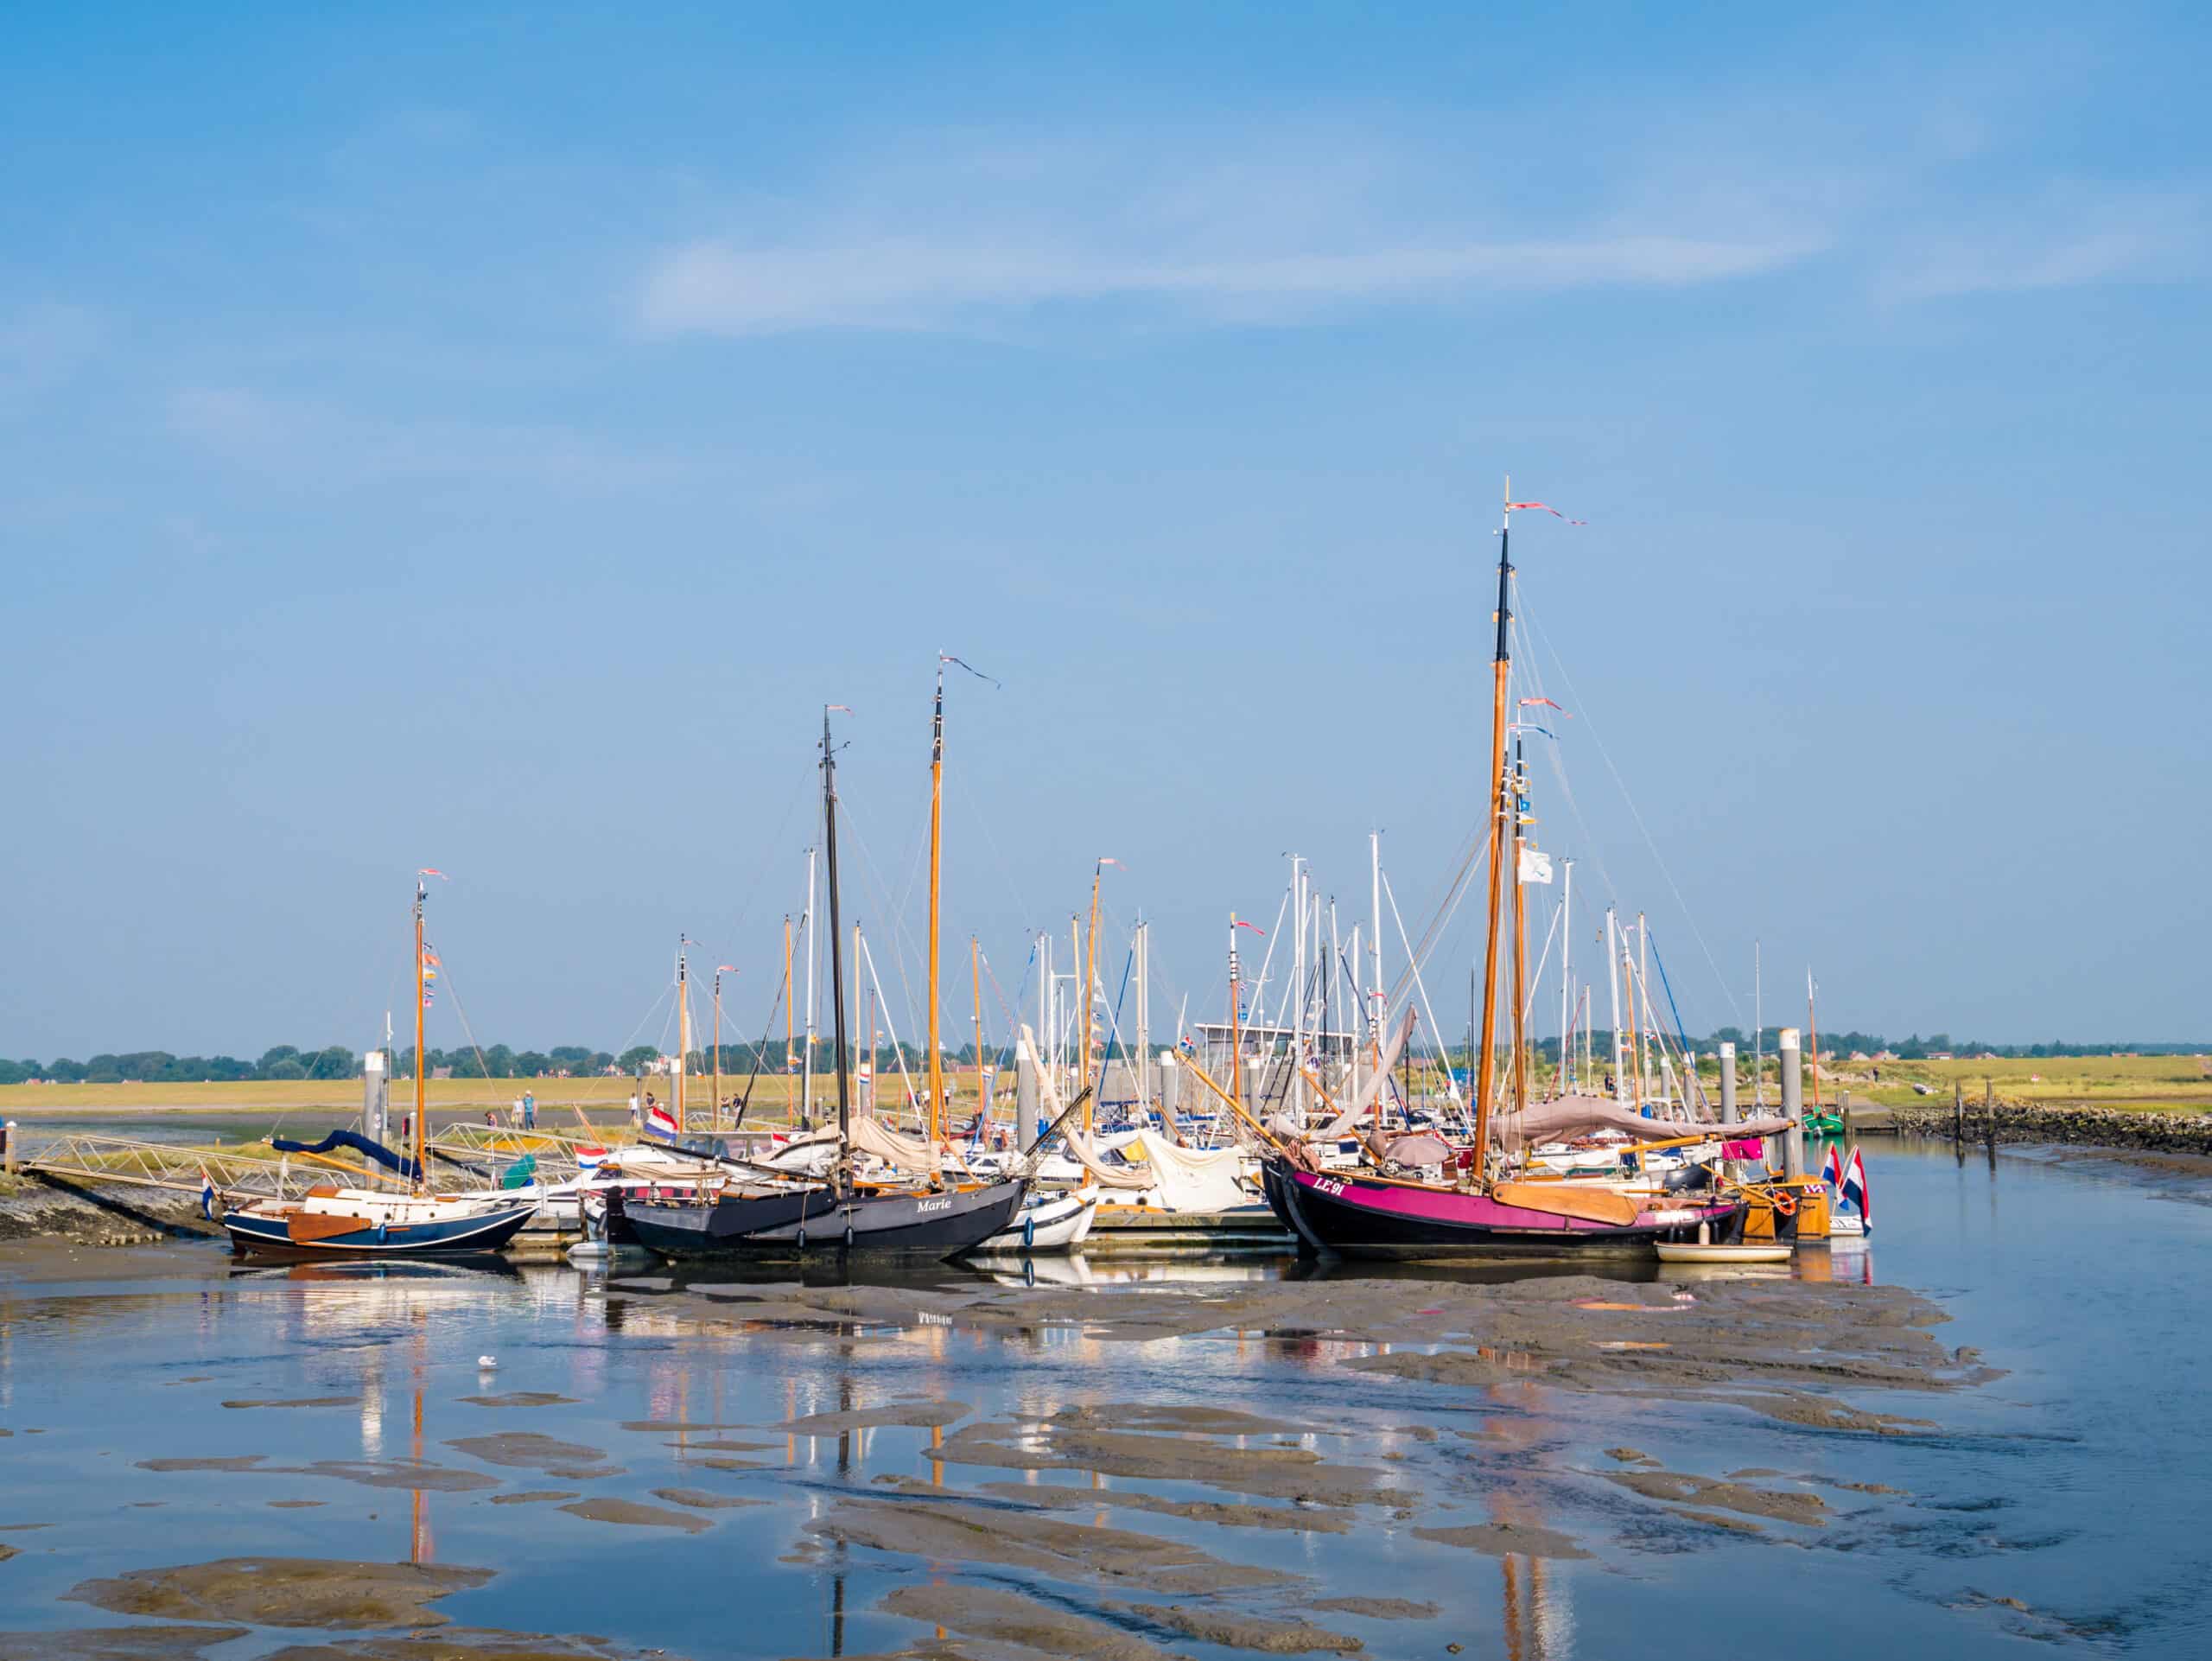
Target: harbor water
{"type": "Point", "coordinates": [612, 1465]}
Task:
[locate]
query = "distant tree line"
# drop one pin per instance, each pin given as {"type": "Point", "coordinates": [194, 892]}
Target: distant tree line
{"type": "Point", "coordinates": [286, 1061]}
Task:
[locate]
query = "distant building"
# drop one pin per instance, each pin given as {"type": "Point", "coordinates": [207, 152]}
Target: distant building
{"type": "Point", "coordinates": [1940, 1055]}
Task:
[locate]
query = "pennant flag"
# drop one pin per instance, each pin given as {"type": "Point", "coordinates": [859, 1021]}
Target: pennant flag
{"type": "Point", "coordinates": [946, 656]}
{"type": "Point", "coordinates": [430, 871]}
{"type": "Point", "coordinates": [1545, 507]}
{"type": "Point", "coordinates": [1536, 865]}
{"type": "Point", "coordinates": [1531, 703]}
{"type": "Point", "coordinates": [431, 958]}
{"type": "Point", "coordinates": [1254, 927]}
{"type": "Point", "coordinates": [725, 969]}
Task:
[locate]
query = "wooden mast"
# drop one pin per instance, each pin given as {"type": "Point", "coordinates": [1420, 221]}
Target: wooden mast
{"type": "Point", "coordinates": [683, 1027]}
{"type": "Point", "coordinates": [1485, 1091]}
{"type": "Point", "coordinates": [837, 960]}
{"type": "Point", "coordinates": [1520, 941]}
{"type": "Point", "coordinates": [421, 1171]}
{"type": "Point", "coordinates": [936, 854]}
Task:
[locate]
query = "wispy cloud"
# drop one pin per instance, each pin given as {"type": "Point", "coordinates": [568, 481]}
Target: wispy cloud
{"type": "Point", "coordinates": [718, 287]}
{"type": "Point", "coordinates": [1281, 226]}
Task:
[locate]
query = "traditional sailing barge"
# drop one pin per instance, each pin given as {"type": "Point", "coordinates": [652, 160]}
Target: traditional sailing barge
{"type": "Point", "coordinates": [1479, 1210]}
{"type": "Point", "coordinates": [774, 1217]}
{"type": "Point", "coordinates": [340, 1222]}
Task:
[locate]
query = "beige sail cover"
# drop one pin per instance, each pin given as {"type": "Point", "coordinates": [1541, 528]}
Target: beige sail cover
{"type": "Point", "coordinates": [1373, 1088]}
{"type": "Point", "coordinates": [1111, 1176]}
{"type": "Point", "coordinates": [1192, 1179]}
{"type": "Point", "coordinates": [901, 1152]}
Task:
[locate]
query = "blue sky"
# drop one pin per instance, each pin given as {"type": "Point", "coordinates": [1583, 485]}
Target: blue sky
{"type": "Point", "coordinates": [485, 438]}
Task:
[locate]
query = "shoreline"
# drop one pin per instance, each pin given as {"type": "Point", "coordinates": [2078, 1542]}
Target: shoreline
{"type": "Point", "coordinates": [2072, 1126]}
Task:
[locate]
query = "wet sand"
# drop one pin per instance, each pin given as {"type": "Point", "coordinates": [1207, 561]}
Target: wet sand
{"type": "Point", "coordinates": [1176, 1468]}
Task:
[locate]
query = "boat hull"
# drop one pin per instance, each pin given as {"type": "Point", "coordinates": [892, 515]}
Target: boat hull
{"type": "Point", "coordinates": [1059, 1223]}
{"type": "Point", "coordinates": [1358, 1217]}
{"type": "Point", "coordinates": [264, 1235]}
{"type": "Point", "coordinates": [937, 1225]}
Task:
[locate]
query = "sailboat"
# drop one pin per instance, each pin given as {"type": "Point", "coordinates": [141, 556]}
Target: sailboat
{"type": "Point", "coordinates": [336, 1221]}
{"type": "Point", "coordinates": [1366, 1213]}
{"type": "Point", "coordinates": [846, 1213]}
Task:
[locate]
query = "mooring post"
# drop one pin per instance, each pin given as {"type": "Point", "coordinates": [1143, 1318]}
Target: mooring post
{"type": "Point", "coordinates": [1989, 1116]}
{"type": "Point", "coordinates": [1958, 1111]}
{"type": "Point", "coordinates": [8, 1146]}
{"type": "Point", "coordinates": [1728, 1113]}
{"type": "Point", "coordinates": [1025, 1097]}
{"type": "Point", "coordinates": [1788, 1054]}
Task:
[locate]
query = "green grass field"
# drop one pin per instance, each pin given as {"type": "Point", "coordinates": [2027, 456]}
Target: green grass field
{"type": "Point", "coordinates": [2138, 1083]}
{"type": "Point", "coordinates": [774, 1098]}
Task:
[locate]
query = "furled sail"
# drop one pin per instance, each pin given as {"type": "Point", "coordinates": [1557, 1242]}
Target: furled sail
{"type": "Point", "coordinates": [360, 1144]}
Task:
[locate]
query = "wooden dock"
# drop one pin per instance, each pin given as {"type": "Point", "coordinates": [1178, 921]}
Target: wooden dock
{"type": "Point", "coordinates": [1130, 1229]}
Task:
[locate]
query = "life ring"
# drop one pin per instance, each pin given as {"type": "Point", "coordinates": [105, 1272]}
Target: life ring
{"type": "Point", "coordinates": [1785, 1203]}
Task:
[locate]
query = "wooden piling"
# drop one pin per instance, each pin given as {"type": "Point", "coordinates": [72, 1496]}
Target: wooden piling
{"type": "Point", "coordinates": [1958, 1111]}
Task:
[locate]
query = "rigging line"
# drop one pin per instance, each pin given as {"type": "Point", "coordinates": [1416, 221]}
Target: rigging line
{"type": "Point", "coordinates": [983, 822]}
{"type": "Point", "coordinates": [771, 853]}
{"type": "Point", "coordinates": [759, 1052]}
{"type": "Point", "coordinates": [1660, 964]}
{"type": "Point", "coordinates": [466, 1032]}
{"type": "Point", "coordinates": [1476, 857]}
{"type": "Point", "coordinates": [1536, 975]}
{"type": "Point", "coordinates": [651, 1010]}
{"type": "Point", "coordinates": [1390, 895]}
{"type": "Point", "coordinates": [1556, 755]}
{"type": "Point", "coordinates": [1114, 1020]}
{"type": "Point", "coordinates": [894, 913]}
{"type": "Point", "coordinates": [898, 1049]}
{"type": "Point", "coordinates": [1591, 727]}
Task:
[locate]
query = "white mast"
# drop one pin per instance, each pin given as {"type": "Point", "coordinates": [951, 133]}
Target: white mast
{"type": "Point", "coordinates": [1614, 958]}
{"type": "Point", "coordinates": [1642, 989]}
{"type": "Point", "coordinates": [1143, 944]}
{"type": "Point", "coordinates": [806, 1076]}
{"type": "Point", "coordinates": [1758, 1034]}
{"type": "Point", "coordinates": [1566, 980]}
{"type": "Point", "coordinates": [1297, 1095]}
{"type": "Point", "coordinates": [1375, 992]}
{"type": "Point", "coordinates": [1329, 982]}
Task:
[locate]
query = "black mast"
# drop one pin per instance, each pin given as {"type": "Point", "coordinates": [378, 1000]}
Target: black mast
{"type": "Point", "coordinates": [836, 953]}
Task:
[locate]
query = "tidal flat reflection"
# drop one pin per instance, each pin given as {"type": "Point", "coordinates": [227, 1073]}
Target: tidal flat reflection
{"type": "Point", "coordinates": [1202, 1457]}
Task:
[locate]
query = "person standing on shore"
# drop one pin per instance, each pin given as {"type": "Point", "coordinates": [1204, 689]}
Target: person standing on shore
{"type": "Point", "coordinates": [529, 1110]}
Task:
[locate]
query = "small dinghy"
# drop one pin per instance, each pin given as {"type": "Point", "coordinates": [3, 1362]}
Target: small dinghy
{"type": "Point", "coordinates": [1672, 1251]}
